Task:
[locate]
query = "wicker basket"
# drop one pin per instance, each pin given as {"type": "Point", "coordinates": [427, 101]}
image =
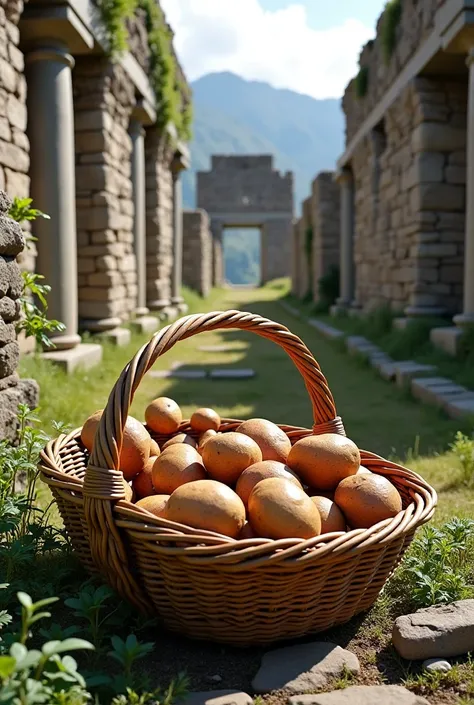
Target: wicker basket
{"type": "Point", "coordinates": [205, 585]}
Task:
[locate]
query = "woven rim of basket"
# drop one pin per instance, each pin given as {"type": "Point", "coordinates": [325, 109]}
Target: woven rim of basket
{"type": "Point", "coordinates": [206, 547]}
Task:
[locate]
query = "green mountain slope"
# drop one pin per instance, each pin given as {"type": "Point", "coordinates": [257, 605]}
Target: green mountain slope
{"type": "Point", "coordinates": [234, 116]}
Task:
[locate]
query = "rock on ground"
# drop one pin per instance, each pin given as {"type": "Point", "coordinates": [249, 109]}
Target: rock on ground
{"type": "Point", "coordinates": [217, 697]}
{"type": "Point", "coordinates": [303, 667]}
{"type": "Point", "coordinates": [362, 695]}
{"type": "Point", "coordinates": [436, 664]}
{"type": "Point", "coordinates": [436, 632]}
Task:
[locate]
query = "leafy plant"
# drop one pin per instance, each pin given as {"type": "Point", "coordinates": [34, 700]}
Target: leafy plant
{"type": "Point", "coordinates": [36, 676]}
{"type": "Point", "coordinates": [34, 321]}
{"type": "Point", "coordinates": [90, 606]}
{"type": "Point", "coordinates": [172, 93]}
{"type": "Point", "coordinates": [362, 82]}
{"type": "Point", "coordinates": [463, 448]}
{"type": "Point", "coordinates": [128, 651]}
{"type": "Point", "coordinates": [177, 690]}
{"type": "Point", "coordinates": [439, 567]}
{"type": "Point", "coordinates": [391, 18]}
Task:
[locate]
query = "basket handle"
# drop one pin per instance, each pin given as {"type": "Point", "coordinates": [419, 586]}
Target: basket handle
{"type": "Point", "coordinates": [103, 482]}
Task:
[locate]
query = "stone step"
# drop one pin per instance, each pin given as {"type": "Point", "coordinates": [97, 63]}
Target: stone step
{"type": "Point", "coordinates": [325, 329]}
{"type": "Point", "coordinates": [406, 370]}
{"type": "Point", "coordinates": [358, 345]}
{"type": "Point", "coordinates": [85, 356]}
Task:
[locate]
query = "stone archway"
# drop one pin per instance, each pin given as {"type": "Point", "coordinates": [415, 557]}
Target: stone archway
{"type": "Point", "coordinates": [243, 192]}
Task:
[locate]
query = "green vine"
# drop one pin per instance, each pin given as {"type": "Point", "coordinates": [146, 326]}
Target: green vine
{"type": "Point", "coordinates": [171, 91]}
{"type": "Point", "coordinates": [362, 82]}
{"type": "Point", "coordinates": [390, 21]}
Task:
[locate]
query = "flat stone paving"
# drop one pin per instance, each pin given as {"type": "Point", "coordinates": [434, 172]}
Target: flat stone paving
{"type": "Point", "coordinates": [325, 329]}
{"type": "Point", "coordinates": [85, 356]}
{"type": "Point", "coordinates": [362, 695]}
{"type": "Point", "coordinates": [408, 369]}
{"type": "Point", "coordinates": [217, 697]}
{"type": "Point", "coordinates": [303, 667]}
{"type": "Point", "coordinates": [232, 374]}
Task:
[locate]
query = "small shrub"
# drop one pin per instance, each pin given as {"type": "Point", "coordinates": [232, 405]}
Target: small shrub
{"type": "Point", "coordinates": [362, 82]}
{"type": "Point", "coordinates": [439, 567]}
{"type": "Point", "coordinates": [328, 289]}
{"type": "Point", "coordinates": [390, 21]}
{"type": "Point", "coordinates": [463, 448]}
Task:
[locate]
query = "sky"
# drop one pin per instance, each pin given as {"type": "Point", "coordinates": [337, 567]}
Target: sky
{"type": "Point", "coordinates": [309, 46]}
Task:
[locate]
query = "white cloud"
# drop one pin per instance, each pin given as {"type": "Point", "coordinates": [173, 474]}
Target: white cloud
{"type": "Point", "coordinates": [277, 47]}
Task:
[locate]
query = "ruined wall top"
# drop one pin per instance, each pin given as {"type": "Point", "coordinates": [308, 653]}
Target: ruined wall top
{"type": "Point", "coordinates": [244, 184]}
{"type": "Point", "coordinates": [415, 24]}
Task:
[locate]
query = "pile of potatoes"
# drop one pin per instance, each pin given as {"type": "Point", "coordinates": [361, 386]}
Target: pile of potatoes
{"type": "Point", "coordinates": [247, 483]}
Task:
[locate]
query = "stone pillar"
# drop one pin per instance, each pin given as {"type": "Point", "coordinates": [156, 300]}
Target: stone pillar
{"type": "Point", "coordinates": [346, 265]}
{"type": "Point", "coordinates": [197, 251]}
{"type": "Point", "coordinates": [177, 300]}
{"type": "Point", "coordinates": [448, 339]}
{"type": "Point", "coordinates": [51, 135]}
{"type": "Point", "coordinates": [217, 253]}
{"type": "Point", "coordinates": [137, 133]}
{"type": "Point", "coordinates": [275, 249]}
{"type": "Point", "coordinates": [295, 258]}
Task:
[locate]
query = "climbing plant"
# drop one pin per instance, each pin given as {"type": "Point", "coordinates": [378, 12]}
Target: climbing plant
{"type": "Point", "coordinates": [362, 82]}
{"type": "Point", "coordinates": [390, 21]}
{"type": "Point", "coordinates": [167, 83]}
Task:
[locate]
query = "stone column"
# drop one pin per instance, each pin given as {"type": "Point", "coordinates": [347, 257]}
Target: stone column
{"type": "Point", "coordinates": [137, 133]}
{"type": "Point", "coordinates": [177, 270]}
{"type": "Point", "coordinates": [51, 134]}
{"type": "Point", "coordinates": [346, 265]}
{"type": "Point", "coordinates": [448, 338]}
{"type": "Point", "coordinates": [217, 228]}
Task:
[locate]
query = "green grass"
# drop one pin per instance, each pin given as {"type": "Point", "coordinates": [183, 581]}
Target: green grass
{"type": "Point", "coordinates": [378, 416]}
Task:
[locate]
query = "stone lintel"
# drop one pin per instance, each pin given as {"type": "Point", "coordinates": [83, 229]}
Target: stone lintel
{"type": "Point", "coordinates": [86, 355]}
{"type": "Point", "coordinates": [144, 112]}
{"type": "Point", "coordinates": [249, 220]}
{"type": "Point", "coordinates": [54, 22]}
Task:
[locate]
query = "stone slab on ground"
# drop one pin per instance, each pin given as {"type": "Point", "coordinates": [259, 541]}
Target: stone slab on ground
{"type": "Point", "coordinates": [217, 697]}
{"type": "Point", "coordinates": [406, 370]}
{"type": "Point", "coordinates": [85, 355]}
{"type": "Point", "coordinates": [325, 329]}
{"type": "Point", "coordinates": [426, 389]}
{"type": "Point", "coordinates": [116, 336]}
{"type": "Point", "coordinates": [291, 309]}
{"type": "Point", "coordinates": [178, 374]}
{"type": "Point", "coordinates": [216, 348]}
{"type": "Point", "coordinates": [441, 631]}
{"type": "Point", "coordinates": [358, 345]}
{"type": "Point", "coordinates": [145, 324]}
{"type": "Point", "coordinates": [384, 365]}
{"type": "Point", "coordinates": [447, 339]}
{"type": "Point", "coordinates": [232, 374]}
{"type": "Point", "coordinates": [362, 695]}
{"type": "Point", "coordinates": [303, 667]}
{"type": "Point", "coordinates": [459, 408]}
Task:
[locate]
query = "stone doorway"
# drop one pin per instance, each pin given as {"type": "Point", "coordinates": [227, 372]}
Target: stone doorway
{"type": "Point", "coordinates": [247, 192]}
{"type": "Point", "coordinates": [242, 256]}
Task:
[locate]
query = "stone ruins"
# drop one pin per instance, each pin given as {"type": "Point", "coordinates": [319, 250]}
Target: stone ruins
{"type": "Point", "coordinates": [406, 219]}
{"type": "Point", "coordinates": [246, 191]}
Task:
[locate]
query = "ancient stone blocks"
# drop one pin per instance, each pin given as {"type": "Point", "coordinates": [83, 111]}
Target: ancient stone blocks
{"type": "Point", "coordinates": [197, 251]}
{"type": "Point", "coordinates": [12, 390]}
{"type": "Point", "coordinates": [104, 99]}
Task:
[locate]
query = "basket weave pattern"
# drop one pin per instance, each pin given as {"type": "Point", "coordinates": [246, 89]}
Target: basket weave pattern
{"type": "Point", "coordinates": [206, 585]}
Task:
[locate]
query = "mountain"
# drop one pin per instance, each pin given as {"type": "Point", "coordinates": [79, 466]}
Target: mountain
{"type": "Point", "coordinates": [235, 116]}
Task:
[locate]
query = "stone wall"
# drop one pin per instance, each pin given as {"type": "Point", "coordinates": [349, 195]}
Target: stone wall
{"type": "Point", "coordinates": [197, 251]}
{"type": "Point", "coordinates": [159, 218]}
{"type": "Point", "coordinates": [326, 219]}
{"type": "Point", "coordinates": [14, 146]}
{"type": "Point", "coordinates": [103, 102]}
{"type": "Point", "coordinates": [244, 184]}
{"type": "Point", "coordinates": [416, 24]}
{"type": "Point", "coordinates": [409, 177]}
{"type": "Point", "coordinates": [13, 391]}
{"type": "Point", "coordinates": [305, 224]}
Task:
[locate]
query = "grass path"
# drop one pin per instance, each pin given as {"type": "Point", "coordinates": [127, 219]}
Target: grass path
{"type": "Point", "coordinates": [377, 416]}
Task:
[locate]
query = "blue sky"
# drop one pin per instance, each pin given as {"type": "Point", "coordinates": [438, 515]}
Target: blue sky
{"type": "Point", "coordinates": [309, 46]}
{"type": "Point", "coordinates": [322, 14]}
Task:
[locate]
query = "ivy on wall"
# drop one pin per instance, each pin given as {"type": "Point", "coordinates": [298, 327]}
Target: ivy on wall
{"type": "Point", "coordinates": [390, 21]}
{"type": "Point", "coordinates": [362, 82]}
{"type": "Point", "coordinates": [167, 84]}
